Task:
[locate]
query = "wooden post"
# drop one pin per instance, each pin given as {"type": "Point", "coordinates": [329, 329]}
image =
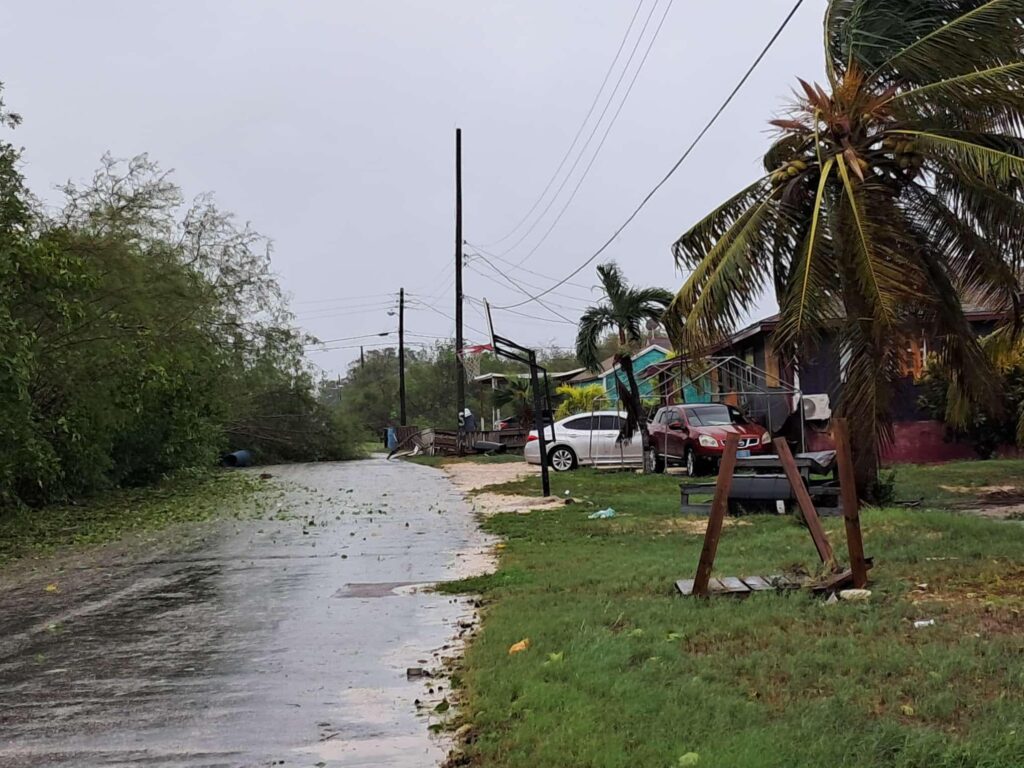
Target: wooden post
{"type": "Point", "coordinates": [851, 504]}
{"type": "Point", "coordinates": [719, 507]}
{"type": "Point", "coordinates": [803, 498]}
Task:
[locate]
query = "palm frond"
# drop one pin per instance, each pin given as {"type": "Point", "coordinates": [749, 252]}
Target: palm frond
{"type": "Point", "coordinates": [727, 282]}
{"type": "Point", "coordinates": [976, 265]}
{"type": "Point", "coordinates": [992, 158]}
{"type": "Point", "coordinates": [593, 324]}
{"type": "Point", "coordinates": [880, 280]}
{"type": "Point", "coordinates": [963, 37]}
{"type": "Point", "coordinates": [990, 99]}
{"type": "Point", "coordinates": [691, 248]}
{"type": "Point", "coordinates": [806, 303]}
{"type": "Point", "coordinates": [612, 281]}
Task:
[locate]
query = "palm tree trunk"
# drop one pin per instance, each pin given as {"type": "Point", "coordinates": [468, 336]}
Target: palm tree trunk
{"type": "Point", "coordinates": [635, 408]}
{"type": "Point", "coordinates": [864, 398]}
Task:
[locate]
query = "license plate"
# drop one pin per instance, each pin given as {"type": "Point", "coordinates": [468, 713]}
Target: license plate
{"type": "Point", "coordinates": [742, 454]}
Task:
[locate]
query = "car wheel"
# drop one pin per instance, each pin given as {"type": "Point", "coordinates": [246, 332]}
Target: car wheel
{"type": "Point", "coordinates": [692, 464]}
{"type": "Point", "coordinates": [659, 463]}
{"type": "Point", "coordinates": [562, 459]}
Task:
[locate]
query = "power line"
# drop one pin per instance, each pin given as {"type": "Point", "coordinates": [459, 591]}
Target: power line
{"type": "Point", "coordinates": [362, 297]}
{"type": "Point", "coordinates": [579, 131]}
{"type": "Point", "coordinates": [674, 168]}
{"type": "Point", "coordinates": [351, 338]}
{"type": "Point", "coordinates": [514, 284]}
{"type": "Point", "coordinates": [604, 138]}
{"type": "Point", "coordinates": [593, 132]}
{"type": "Point", "coordinates": [444, 314]}
{"type": "Point", "coordinates": [521, 268]}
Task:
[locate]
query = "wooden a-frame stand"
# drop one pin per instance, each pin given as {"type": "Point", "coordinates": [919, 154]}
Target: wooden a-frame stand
{"type": "Point", "coordinates": [857, 575]}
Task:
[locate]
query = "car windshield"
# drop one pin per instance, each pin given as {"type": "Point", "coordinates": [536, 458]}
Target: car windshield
{"type": "Point", "coordinates": [713, 416]}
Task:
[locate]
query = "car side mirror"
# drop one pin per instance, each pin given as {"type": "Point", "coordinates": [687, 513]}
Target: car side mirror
{"type": "Point", "coordinates": [677, 426]}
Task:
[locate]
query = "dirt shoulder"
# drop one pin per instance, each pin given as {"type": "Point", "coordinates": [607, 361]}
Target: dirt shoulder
{"type": "Point", "coordinates": [472, 477]}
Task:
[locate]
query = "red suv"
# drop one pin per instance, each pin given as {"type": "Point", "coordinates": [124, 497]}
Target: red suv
{"type": "Point", "coordinates": [694, 436]}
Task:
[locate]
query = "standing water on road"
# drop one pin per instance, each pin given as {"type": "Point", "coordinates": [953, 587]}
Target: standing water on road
{"type": "Point", "coordinates": [279, 641]}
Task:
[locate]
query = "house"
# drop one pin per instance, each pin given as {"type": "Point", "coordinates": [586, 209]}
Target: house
{"type": "Point", "coordinates": [657, 351]}
{"type": "Point", "coordinates": [819, 379]}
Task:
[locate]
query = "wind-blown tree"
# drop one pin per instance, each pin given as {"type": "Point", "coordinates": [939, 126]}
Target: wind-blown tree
{"type": "Point", "coordinates": [626, 311]}
{"type": "Point", "coordinates": [516, 394]}
{"type": "Point", "coordinates": [889, 196]}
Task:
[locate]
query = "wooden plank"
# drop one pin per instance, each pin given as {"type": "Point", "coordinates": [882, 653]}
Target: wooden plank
{"type": "Point", "coordinates": [851, 503]}
{"type": "Point", "coordinates": [719, 507]}
{"type": "Point", "coordinates": [835, 582]}
{"type": "Point", "coordinates": [685, 587]}
{"type": "Point", "coordinates": [734, 585]}
{"type": "Point", "coordinates": [821, 542]}
{"type": "Point", "coordinates": [757, 584]}
{"type": "Point", "coordinates": [716, 587]}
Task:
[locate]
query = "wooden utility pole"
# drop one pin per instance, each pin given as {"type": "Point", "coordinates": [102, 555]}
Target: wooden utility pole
{"type": "Point", "coordinates": [460, 372]}
{"type": "Point", "coordinates": [401, 356]}
{"type": "Point", "coordinates": [362, 358]}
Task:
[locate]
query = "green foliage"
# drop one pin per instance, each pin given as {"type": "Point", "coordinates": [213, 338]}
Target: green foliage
{"type": "Point", "coordinates": [139, 336]}
{"type": "Point", "coordinates": [575, 400]}
{"type": "Point", "coordinates": [890, 195]}
{"type": "Point", "coordinates": [984, 428]}
{"type": "Point", "coordinates": [516, 395]}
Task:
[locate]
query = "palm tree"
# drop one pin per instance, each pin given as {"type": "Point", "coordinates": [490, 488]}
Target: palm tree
{"type": "Point", "coordinates": [626, 311]}
{"type": "Point", "coordinates": [887, 198]}
{"type": "Point", "coordinates": [518, 394]}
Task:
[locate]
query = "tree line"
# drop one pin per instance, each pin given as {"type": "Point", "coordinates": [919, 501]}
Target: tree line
{"type": "Point", "coordinates": [141, 335]}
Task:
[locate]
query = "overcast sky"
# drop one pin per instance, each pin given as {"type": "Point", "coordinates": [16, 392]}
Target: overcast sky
{"type": "Point", "coordinates": [330, 126]}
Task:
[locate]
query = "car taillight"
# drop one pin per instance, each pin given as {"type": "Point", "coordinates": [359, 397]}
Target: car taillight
{"type": "Point", "coordinates": [531, 437]}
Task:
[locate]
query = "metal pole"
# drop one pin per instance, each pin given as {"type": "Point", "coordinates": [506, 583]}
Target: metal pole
{"type": "Point", "coordinates": [538, 424]}
{"type": "Point", "coordinates": [401, 357]}
{"type": "Point", "coordinates": [460, 373]}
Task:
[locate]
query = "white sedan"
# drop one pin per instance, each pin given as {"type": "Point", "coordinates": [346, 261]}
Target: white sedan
{"type": "Point", "coordinates": [589, 439]}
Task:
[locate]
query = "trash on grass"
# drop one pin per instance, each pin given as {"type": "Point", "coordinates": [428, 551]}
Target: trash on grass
{"type": "Point", "coordinates": [519, 647]}
{"type": "Point", "coordinates": [602, 514]}
{"type": "Point", "coordinates": [689, 759]}
{"type": "Point", "coordinates": [924, 623]}
{"type": "Point", "coordinates": [855, 595]}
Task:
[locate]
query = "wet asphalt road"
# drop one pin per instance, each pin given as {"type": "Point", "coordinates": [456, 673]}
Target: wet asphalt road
{"type": "Point", "coordinates": [265, 642]}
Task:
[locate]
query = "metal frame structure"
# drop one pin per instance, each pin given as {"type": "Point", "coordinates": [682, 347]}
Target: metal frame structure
{"type": "Point", "coordinates": [510, 350]}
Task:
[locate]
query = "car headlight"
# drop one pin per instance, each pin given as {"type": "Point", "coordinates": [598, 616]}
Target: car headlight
{"type": "Point", "coordinates": [766, 438]}
{"type": "Point", "coordinates": [707, 441]}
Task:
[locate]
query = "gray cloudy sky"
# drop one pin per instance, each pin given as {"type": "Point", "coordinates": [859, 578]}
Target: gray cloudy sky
{"type": "Point", "coordinates": [330, 126]}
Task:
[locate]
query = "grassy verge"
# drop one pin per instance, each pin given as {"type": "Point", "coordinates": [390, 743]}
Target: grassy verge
{"type": "Point", "coordinates": [622, 672]}
{"type": "Point", "coordinates": [111, 516]}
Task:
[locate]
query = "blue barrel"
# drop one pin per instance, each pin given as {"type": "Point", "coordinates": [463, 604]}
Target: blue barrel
{"type": "Point", "coordinates": [392, 439]}
{"type": "Point", "coordinates": [237, 459]}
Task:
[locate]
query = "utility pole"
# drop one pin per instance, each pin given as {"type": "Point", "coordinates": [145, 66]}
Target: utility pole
{"type": "Point", "coordinates": [401, 356]}
{"type": "Point", "coordinates": [362, 358]}
{"type": "Point", "coordinates": [460, 372]}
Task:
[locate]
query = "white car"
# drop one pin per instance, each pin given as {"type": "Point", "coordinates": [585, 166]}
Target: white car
{"type": "Point", "coordinates": [589, 439]}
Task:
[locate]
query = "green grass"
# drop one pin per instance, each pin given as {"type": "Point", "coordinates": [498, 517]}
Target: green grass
{"type": "Point", "coordinates": [933, 482]}
{"type": "Point", "coordinates": [113, 515]}
{"type": "Point", "coordinates": [641, 676]}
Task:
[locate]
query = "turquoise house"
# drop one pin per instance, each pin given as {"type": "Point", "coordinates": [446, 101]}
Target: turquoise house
{"type": "Point", "coordinates": [645, 358]}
